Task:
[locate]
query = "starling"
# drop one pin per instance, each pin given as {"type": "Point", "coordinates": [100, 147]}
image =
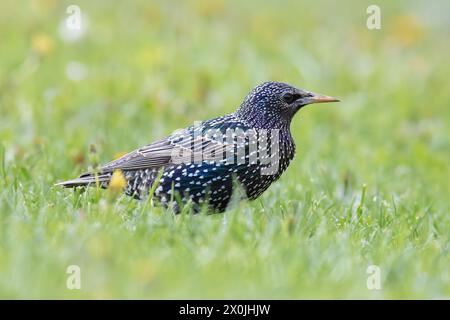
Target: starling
{"type": "Point", "coordinates": [205, 162]}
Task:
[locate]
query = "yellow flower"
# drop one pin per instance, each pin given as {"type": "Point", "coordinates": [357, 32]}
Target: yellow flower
{"type": "Point", "coordinates": [118, 181]}
{"type": "Point", "coordinates": [42, 44]}
{"type": "Point", "coordinates": [407, 29]}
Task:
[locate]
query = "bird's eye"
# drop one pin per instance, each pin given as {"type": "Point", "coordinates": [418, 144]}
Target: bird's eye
{"type": "Point", "coordinates": [288, 97]}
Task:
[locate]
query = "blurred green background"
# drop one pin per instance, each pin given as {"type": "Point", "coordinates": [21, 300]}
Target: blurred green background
{"type": "Point", "coordinates": [369, 185]}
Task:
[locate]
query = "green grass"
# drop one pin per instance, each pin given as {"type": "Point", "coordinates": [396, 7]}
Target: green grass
{"type": "Point", "coordinates": [152, 69]}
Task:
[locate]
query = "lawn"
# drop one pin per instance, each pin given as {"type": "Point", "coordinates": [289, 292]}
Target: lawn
{"type": "Point", "coordinates": [368, 189]}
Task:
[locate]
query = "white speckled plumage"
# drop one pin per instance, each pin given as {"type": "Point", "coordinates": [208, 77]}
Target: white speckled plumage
{"type": "Point", "coordinates": [267, 109]}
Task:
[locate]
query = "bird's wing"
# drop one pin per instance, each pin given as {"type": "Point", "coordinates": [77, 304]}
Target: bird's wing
{"type": "Point", "coordinates": [153, 155]}
{"type": "Point", "coordinates": [175, 149]}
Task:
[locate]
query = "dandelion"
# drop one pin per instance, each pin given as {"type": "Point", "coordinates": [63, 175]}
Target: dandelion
{"type": "Point", "coordinates": [42, 44]}
{"type": "Point", "coordinates": [118, 181]}
{"type": "Point", "coordinates": [407, 30]}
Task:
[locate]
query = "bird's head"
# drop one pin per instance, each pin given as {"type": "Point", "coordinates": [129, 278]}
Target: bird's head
{"type": "Point", "coordinates": [274, 104]}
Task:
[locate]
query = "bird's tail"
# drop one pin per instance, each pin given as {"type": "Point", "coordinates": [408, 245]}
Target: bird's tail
{"type": "Point", "coordinates": [87, 179]}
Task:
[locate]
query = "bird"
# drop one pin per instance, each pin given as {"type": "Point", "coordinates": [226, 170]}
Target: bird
{"type": "Point", "coordinates": [203, 164]}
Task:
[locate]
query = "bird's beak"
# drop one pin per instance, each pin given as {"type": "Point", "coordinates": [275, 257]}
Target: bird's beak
{"type": "Point", "coordinates": [320, 98]}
